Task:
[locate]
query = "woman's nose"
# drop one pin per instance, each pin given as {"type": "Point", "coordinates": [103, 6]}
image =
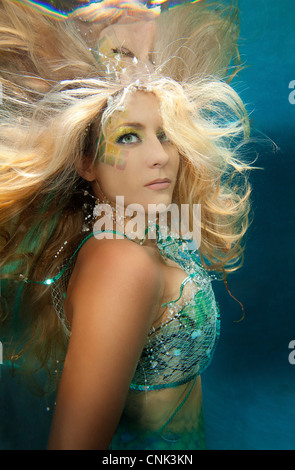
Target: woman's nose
{"type": "Point", "coordinates": [157, 154]}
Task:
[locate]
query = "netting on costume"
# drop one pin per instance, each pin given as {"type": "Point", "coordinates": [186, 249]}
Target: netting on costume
{"type": "Point", "coordinates": [182, 346]}
{"type": "Point", "coordinates": [59, 289]}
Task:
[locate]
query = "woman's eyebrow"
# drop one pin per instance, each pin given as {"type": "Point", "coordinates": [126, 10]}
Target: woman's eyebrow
{"type": "Point", "coordinates": [137, 125]}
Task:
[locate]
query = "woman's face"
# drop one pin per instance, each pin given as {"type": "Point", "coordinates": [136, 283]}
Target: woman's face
{"type": "Point", "coordinates": [135, 158]}
{"type": "Point", "coordinates": [128, 39]}
{"type": "Point", "coordinates": [121, 46]}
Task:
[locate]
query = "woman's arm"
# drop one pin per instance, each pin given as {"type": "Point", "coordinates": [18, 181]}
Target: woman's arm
{"type": "Point", "coordinates": [115, 294]}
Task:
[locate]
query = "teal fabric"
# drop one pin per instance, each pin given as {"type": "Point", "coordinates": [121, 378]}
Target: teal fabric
{"type": "Point", "coordinates": [176, 352]}
{"type": "Point", "coordinates": [182, 346]}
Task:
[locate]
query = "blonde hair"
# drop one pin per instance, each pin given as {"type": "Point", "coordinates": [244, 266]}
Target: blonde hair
{"type": "Point", "coordinates": [46, 133]}
{"type": "Point", "coordinates": [208, 123]}
{"type": "Point", "coordinates": [198, 39]}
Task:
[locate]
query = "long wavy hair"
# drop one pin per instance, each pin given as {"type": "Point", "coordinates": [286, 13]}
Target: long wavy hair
{"type": "Point", "coordinates": [49, 127]}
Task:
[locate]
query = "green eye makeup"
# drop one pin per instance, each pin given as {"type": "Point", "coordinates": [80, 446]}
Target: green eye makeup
{"type": "Point", "coordinates": [126, 135]}
{"type": "Point", "coordinates": [161, 135]}
{"type": "Point", "coordinates": [111, 147]}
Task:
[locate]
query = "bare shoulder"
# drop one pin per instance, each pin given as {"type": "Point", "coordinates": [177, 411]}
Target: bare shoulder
{"type": "Point", "coordinates": [113, 296]}
{"type": "Point", "coordinates": [108, 257]}
{"type": "Point", "coordinates": [119, 268]}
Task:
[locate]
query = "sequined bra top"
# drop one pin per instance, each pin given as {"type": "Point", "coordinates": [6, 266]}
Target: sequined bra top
{"type": "Point", "coordinates": [182, 346]}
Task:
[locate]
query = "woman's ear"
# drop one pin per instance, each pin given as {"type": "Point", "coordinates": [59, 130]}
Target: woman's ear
{"type": "Point", "coordinates": [86, 169]}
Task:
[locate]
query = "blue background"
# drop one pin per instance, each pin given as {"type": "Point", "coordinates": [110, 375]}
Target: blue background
{"type": "Point", "coordinates": [249, 389]}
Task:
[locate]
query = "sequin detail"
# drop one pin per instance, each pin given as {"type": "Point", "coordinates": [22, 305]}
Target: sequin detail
{"type": "Point", "coordinates": [181, 347]}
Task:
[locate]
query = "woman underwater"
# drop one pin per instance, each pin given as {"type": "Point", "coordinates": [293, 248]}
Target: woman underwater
{"type": "Point", "coordinates": [126, 310]}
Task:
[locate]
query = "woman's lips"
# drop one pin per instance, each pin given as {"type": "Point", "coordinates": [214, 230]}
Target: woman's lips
{"type": "Point", "coordinates": [158, 184]}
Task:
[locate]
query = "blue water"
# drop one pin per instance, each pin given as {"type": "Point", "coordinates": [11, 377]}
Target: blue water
{"type": "Point", "coordinates": [249, 389]}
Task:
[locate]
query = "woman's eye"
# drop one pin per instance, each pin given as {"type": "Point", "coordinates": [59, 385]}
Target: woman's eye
{"type": "Point", "coordinates": [162, 137]}
{"type": "Point", "coordinates": [123, 51]}
{"type": "Point", "coordinates": [128, 139]}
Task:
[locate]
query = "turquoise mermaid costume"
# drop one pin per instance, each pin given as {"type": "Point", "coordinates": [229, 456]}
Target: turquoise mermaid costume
{"type": "Point", "coordinates": [160, 412]}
